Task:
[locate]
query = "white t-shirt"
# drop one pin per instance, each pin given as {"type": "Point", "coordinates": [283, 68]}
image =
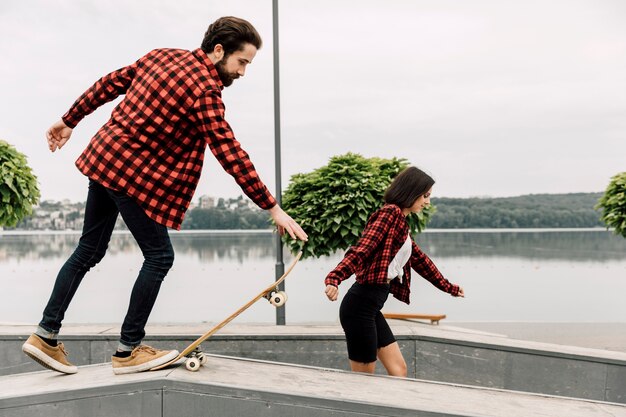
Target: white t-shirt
{"type": "Point", "coordinates": [402, 257]}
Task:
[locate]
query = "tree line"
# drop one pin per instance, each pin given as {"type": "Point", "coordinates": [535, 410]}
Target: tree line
{"type": "Point", "coordinates": [226, 215]}
{"type": "Point", "coordinates": [527, 211]}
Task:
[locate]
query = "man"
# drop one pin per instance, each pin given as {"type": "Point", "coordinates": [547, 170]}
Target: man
{"type": "Point", "coordinates": [144, 164]}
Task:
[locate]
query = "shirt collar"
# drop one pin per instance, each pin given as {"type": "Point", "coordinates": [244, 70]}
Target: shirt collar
{"type": "Point", "coordinates": [204, 59]}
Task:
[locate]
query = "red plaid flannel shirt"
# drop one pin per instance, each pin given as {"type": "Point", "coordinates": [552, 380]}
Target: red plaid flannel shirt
{"type": "Point", "coordinates": [383, 236]}
{"type": "Point", "coordinates": [152, 147]}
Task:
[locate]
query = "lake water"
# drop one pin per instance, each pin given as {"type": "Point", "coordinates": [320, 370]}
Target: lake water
{"type": "Point", "coordinates": [539, 276]}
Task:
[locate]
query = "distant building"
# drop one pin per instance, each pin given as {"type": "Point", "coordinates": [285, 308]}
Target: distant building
{"type": "Point", "coordinates": [66, 215]}
{"type": "Point", "coordinates": [205, 202]}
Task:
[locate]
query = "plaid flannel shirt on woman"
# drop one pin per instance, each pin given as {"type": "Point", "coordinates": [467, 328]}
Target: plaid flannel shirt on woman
{"type": "Point", "coordinates": [152, 147]}
{"type": "Point", "coordinates": [369, 259]}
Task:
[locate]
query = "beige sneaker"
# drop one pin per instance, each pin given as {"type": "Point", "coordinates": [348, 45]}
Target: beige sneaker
{"type": "Point", "coordinates": [142, 358]}
{"type": "Point", "coordinates": [52, 357]}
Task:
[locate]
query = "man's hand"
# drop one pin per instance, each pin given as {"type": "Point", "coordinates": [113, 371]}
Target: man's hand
{"type": "Point", "coordinates": [58, 134]}
{"type": "Point", "coordinates": [461, 293]}
{"type": "Point", "coordinates": [286, 223]}
{"type": "Point", "coordinates": [332, 292]}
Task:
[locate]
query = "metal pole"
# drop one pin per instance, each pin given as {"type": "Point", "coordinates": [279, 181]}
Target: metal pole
{"type": "Point", "coordinates": [280, 266]}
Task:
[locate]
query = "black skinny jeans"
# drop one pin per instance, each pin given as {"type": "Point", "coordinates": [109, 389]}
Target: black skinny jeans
{"type": "Point", "coordinates": [101, 211]}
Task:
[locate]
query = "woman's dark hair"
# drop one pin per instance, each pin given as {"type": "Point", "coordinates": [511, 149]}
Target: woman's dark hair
{"type": "Point", "coordinates": [408, 186]}
{"type": "Point", "coordinates": [232, 33]}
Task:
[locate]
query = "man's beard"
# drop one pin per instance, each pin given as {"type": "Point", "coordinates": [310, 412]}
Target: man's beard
{"type": "Point", "coordinates": [226, 77]}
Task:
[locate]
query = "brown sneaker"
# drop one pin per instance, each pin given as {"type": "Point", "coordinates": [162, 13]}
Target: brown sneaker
{"type": "Point", "coordinates": [142, 358]}
{"type": "Point", "coordinates": [52, 357]}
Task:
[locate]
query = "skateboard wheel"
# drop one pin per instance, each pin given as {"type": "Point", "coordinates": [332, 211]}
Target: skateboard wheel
{"type": "Point", "coordinates": [192, 364]}
{"type": "Point", "coordinates": [278, 299]}
{"type": "Point", "coordinates": [203, 358]}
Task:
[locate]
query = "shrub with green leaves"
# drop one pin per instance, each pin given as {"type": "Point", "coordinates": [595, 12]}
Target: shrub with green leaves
{"type": "Point", "coordinates": [333, 203]}
{"type": "Point", "coordinates": [613, 204]}
{"type": "Point", "coordinates": [18, 186]}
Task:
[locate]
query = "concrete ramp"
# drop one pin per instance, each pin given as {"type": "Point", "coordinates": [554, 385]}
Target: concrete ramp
{"type": "Point", "coordinates": [243, 387]}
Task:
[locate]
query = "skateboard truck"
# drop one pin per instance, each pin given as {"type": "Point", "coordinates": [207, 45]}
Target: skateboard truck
{"type": "Point", "coordinates": [276, 298]}
{"type": "Point", "coordinates": [195, 359]}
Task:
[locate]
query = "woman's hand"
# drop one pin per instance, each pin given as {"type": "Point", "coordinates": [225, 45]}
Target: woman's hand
{"type": "Point", "coordinates": [332, 292]}
{"type": "Point", "coordinates": [461, 293]}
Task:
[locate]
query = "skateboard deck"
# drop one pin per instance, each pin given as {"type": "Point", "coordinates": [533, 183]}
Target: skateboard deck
{"type": "Point", "coordinates": [195, 357]}
{"type": "Point", "coordinates": [434, 319]}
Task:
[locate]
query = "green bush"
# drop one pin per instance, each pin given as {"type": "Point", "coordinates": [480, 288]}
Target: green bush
{"type": "Point", "coordinates": [18, 186]}
{"type": "Point", "coordinates": [333, 203]}
{"type": "Point", "coordinates": [613, 204]}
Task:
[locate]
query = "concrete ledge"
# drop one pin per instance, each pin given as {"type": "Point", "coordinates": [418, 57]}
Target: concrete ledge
{"type": "Point", "coordinates": [435, 353]}
{"type": "Point", "coordinates": [235, 387]}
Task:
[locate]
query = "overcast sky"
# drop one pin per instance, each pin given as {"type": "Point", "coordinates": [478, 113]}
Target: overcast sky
{"type": "Point", "coordinates": [493, 98]}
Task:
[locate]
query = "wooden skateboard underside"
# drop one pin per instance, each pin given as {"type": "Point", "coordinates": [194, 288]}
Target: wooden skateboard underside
{"type": "Point", "coordinates": [192, 349]}
{"type": "Point", "coordinates": [434, 319]}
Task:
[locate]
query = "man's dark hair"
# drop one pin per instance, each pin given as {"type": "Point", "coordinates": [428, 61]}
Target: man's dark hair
{"type": "Point", "coordinates": [232, 33]}
{"type": "Point", "coordinates": [407, 187]}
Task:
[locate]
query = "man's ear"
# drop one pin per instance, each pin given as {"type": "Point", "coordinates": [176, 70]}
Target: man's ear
{"type": "Point", "coordinates": [218, 52]}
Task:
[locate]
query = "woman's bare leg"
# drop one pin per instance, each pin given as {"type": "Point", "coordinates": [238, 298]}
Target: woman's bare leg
{"type": "Point", "coordinates": [367, 368]}
{"type": "Point", "coordinates": [392, 360]}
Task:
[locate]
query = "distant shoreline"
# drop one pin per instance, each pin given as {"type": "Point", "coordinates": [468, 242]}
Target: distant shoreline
{"type": "Point", "coordinates": [271, 231]}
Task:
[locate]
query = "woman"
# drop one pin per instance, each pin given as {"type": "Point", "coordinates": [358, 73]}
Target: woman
{"type": "Point", "coordinates": [381, 260]}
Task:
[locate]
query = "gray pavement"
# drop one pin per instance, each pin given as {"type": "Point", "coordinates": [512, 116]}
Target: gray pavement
{"type": "Point", "coordinates": [607, 336]}
{"type": "Point", "coordinates": [236, 387]}
{"type": "Point", "coordinates": [458, 353]}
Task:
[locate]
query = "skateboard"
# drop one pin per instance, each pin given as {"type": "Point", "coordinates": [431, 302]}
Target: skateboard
{"type": "Point", "coordinates": [434, 319]}
{"type": "Point", "coordinates": [193, 352]}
